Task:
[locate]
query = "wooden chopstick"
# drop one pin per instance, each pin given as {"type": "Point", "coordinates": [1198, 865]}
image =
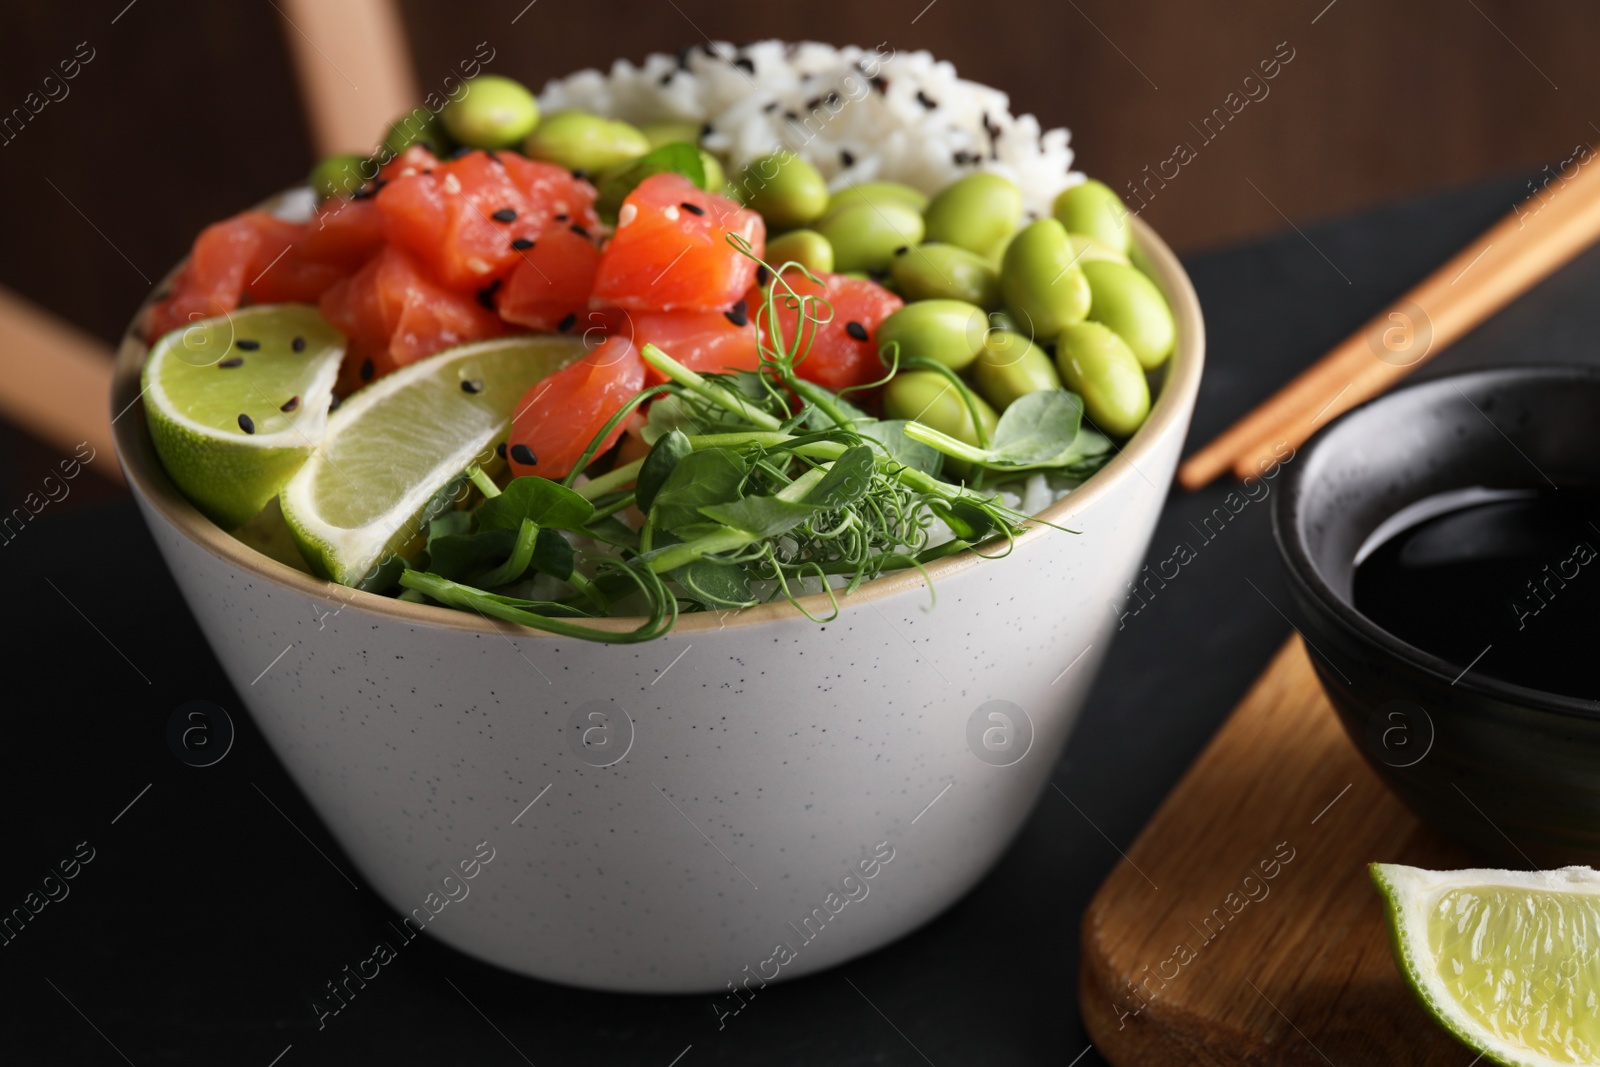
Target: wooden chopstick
{"type": "Point", "coordinates": [354, 70]}
{"type": "Point", "coordinates": [55, 382]}
{"type": "Point", "coordinates": [1539, 236]}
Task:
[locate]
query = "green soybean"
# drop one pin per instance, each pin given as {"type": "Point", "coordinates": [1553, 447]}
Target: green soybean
{"type": "Point", "coordinates": [578, 140]}
{"type": "Point", "coordinates": [785, 189]}
{"type": "Point", "coordinates": [865, 236]}
{"type": "Point", "coordinates": [716, 178]}
{"type": "Point", "coordinates": [946, 331]}
{"type": "Point", "coordinates": [660, 133]}
{"type": "Point", "coordinates": [941, 271]}
{"type": "Point", "coordinates": [1044, 287]}
{"type": "Point", "coordinates": [807, 247]}
{"type": "Point", "coordinates": [1132, 306]}
{"type": "Point", "coordinates": [336, 176]}
{"type": "Point", "coordinates": [416, 127]}
{"type": "Point", "coordinates": [877, 193]}
{"type": "Point", "coordinates": [1011, 366]}
{"type": "Point", "coordinates": [978, 213]}
{"type": "Point", "coordinates": [496, 112]}
{"type": "Point", "coordinates": [1088, 249]}
{"type": "Point", "coordinates": [930, 398]}
{"type": "Point", "coordinates": [1097, 365]}
{"type": "Point", "coordinates": [1091, 208]}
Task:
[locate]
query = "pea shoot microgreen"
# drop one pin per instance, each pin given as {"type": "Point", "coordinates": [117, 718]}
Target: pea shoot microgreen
{"type": "Point", "coordinates": [758, 486]}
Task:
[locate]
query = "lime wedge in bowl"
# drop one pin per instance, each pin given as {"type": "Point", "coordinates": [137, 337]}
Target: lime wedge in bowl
{"type": "Point", "coordinates": [399, 443]}
{"type": "Point", "coordinates": [236, 404]}
{"type": "Point", "coordinates": [1507, 961]}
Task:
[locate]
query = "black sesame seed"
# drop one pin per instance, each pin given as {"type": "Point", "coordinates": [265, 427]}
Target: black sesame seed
{"type": "Point", "coordinates": [246, 346]}
{"type": "Point", "coordinates": [847, 157]}
{"type": "Point", "coordinates": [500, 450]}
{"type": "Point", "coordinates": [705, 131]}
{"type": "Point", "coordinates": [580, 175]}
{"type": "Point", "coordinates": [856, 330]}
{"type": "Point", "coordinates": [471, 385]}
{"type": "Point", "coordinates": [693, 209]}
{"type": "Point", "coordinates": [524, 455]}
{"type": "Point", "coordinates": [770, 106]}
{"type": "Point", "coordinates": [666, 79]}
{"type": "Point", "coordinates": [247, 424]}
{"type": "Point", "coordinates": [234, 361]}
{"type": "Point", "coordinates": [567, 323]}
{"type": "Point", "coordinates": [505, 214]}
{"type": "Point", "coordinates": [683, 56]}
{"type": "Point", "coordinates": [814, 103]}
{"type": "Point", "coordinates": [333, 403]}
{"type": "Point", "coordinates": [366, 370]}
{"type": "Point", "coordinates": [492, 157]}
{"type": "Point", "coordinates": [791, 116]}
{"type": "Point", "coordinates": [298, 344]}
{"type": "Point", "coordinates": [746, 64]}
{"type": "Point", "coordinates": [290, 404]}
{"type": "Point", "coordinates": [579, 230]}
{"type": "Point", "coordinates": [464, 150]}
{"type": "Point", "coordinates": [1050, 350]}
{"type": "Point", "coordinates": [926, 101]}
{"type": "Point", "coordinates": [739, 314]}
{"type": "Point", "coordinates": [522, 244]}
{"type": "Point", "coordinates": [486, 294]}
{"type": "Point", "coordinates": [880, 83]}
{"type": "Point", "coordinates": [763, 275]}
{"type": "Point", "coordinates": [363, 193]}
{"type": "Point", "coordinates": [561, 218]}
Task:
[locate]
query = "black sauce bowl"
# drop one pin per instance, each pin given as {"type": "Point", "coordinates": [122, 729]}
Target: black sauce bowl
{"type": "Point", "coordinates": [1510, 772]}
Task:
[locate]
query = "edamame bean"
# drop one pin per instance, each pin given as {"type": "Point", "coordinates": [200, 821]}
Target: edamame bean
{"type": "Point", "coordinates": [1088, 249]}
{"type": "Point", "coordinates": [417, 127]}
{"type": "Point", "coordinates": [865, 236]}
{"type": "Point", "coordinates": [336, 176]}
{"type": "Point", "coordinates": [946, 331]}
{"type": "Point", "coordinates": [941, 271]}
{"type": "Point", "coordinates": [1044, 287]}
{"type": "Point", "coordinates": [1132, 306]}
{"type": "Point", "coordinates": [1091, 208]}
{"type": "Point", "coordinates": [978, 213]}
{"type": "Point", "coordinates": [930, 398]}
{"type": "Point", "coordinates": [496, 112]}
{"type": "Point", "coordinates": [877, 193]}
{"type": "Point", "coordinates": [716, 178]}
{"type": "Point", "coordinates": [1097, 365]}
{"type": "Point", "coordinates": [578, 140]}
{"type": "Point", "coordinates": [1011, 366]}
{"type": "Point", "coordinates": [660, 133]}
{"type": "Point", "coordinates": [806, 247]}
{"type": "Point", "coordinates": [785, 189]}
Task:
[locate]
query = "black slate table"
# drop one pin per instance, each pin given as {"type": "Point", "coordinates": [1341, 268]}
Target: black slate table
{"type": "Point", "coordinates": [210, 914]}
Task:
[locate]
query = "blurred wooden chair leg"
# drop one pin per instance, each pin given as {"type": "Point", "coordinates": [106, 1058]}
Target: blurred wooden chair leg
{"type": "Point", "coordinates": [354, 69]}
{"type": "Point", "coordinates": [55, 382]}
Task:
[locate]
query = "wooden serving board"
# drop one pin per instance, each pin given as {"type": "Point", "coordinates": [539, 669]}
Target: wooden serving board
{"type": "Point", "coordinates": [1243, 927]}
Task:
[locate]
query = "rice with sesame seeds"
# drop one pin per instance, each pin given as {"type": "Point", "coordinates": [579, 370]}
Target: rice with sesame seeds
{"type": "Point", "coordinates": [855, 114]}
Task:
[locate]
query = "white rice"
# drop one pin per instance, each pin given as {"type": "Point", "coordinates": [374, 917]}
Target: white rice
{"type": "Point", "coordinates": [855, 114]}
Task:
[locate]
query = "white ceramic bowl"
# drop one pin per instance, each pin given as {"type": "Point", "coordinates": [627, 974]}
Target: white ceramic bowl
{"type": "Point", "coordinates": [753, 795]}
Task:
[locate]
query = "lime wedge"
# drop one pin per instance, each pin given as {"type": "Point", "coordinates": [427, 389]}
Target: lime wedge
{"type": "Point", "coordinates": [1508, 961]}
{"type": "Point", "coordinates": [396, 445]}
{"type": "Point", "coordinates": [236, 404]}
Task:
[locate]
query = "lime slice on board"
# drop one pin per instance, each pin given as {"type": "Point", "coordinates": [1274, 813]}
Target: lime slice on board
{"type": "Point", "coordinates": [396, 445]}
{"type": "Point", "coordinates": [236, 404]}
{"type": "Point", "coordinates": [1508, 961]}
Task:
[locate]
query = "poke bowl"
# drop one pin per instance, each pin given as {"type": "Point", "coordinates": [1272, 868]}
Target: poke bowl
{"type": "Point", "coordinates": [743, 772]}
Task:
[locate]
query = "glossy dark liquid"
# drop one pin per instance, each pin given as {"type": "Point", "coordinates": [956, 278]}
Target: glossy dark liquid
{"type": "Point", "coordinates": [1512, 584]}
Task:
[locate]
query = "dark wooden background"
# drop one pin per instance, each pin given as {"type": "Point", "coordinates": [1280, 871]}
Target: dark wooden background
{"type": "Point", "coordinates": [189, 111]}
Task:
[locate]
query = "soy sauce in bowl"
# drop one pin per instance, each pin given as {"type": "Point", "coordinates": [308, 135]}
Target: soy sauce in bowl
{"type": "Point", "coordinates": [1506, 582]}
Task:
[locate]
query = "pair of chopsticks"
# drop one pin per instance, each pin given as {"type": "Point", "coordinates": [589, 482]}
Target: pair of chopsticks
{"type": "Point", "coordinates": [1540, 235]}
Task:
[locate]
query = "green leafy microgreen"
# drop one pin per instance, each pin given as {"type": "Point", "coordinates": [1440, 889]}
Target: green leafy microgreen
{"type": "Point", "coordinates": [539, 500]}
{"type": "Point", "coordinates": [663, 457]}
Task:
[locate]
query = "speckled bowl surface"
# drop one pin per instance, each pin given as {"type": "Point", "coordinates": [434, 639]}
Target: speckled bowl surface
{"type": "Point", "coordinates": [754, 794]}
